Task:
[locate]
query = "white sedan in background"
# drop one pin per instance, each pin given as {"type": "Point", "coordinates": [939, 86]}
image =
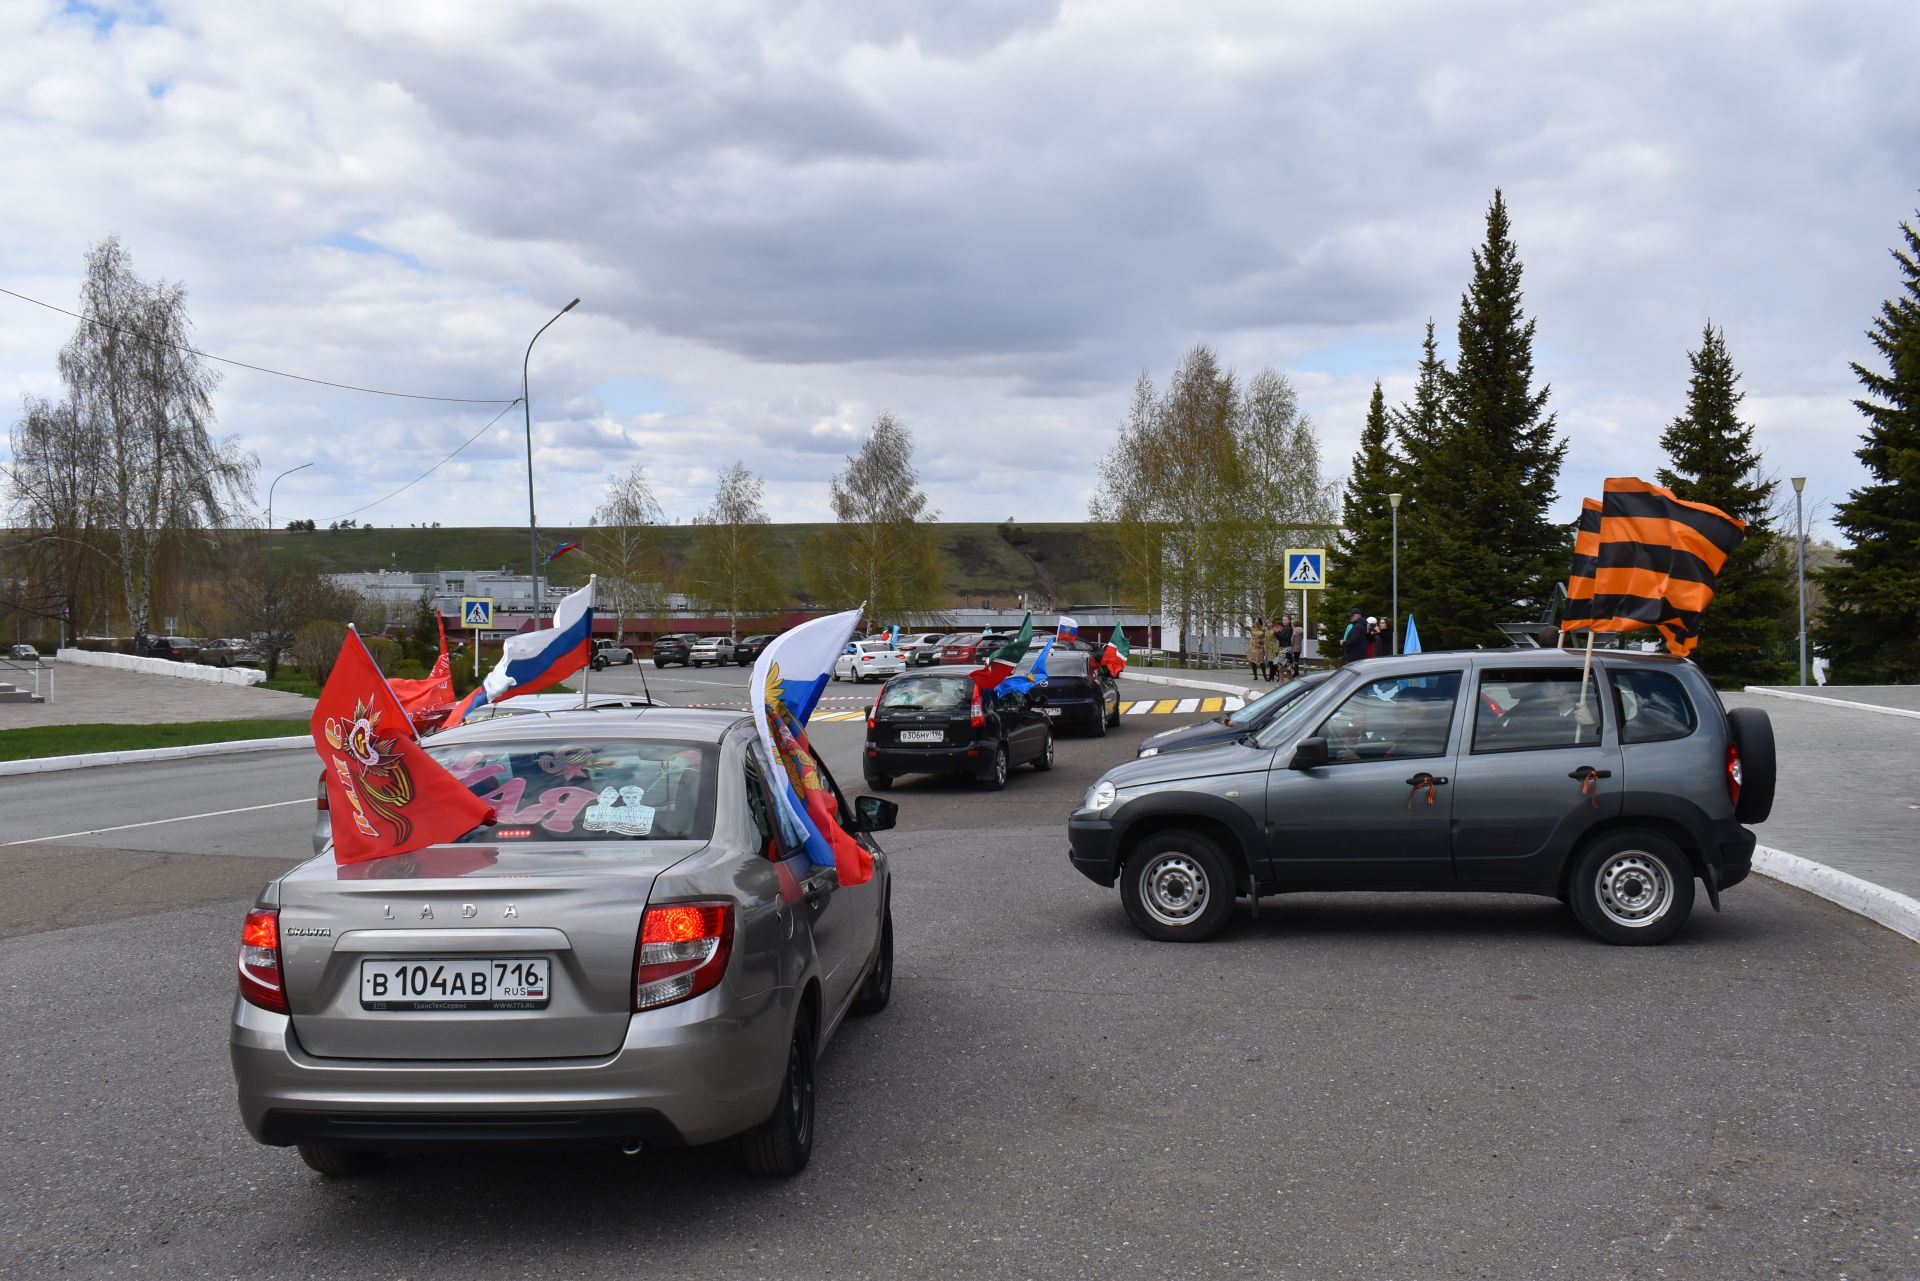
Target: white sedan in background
{"type": "Point", "coordinates": [870, 661]}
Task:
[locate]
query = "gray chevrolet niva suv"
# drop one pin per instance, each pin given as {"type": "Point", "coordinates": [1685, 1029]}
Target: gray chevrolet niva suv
{"type": "Point", "coordinates": [1612, 790]}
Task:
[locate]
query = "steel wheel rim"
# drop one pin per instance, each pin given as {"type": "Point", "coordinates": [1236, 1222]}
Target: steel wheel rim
{"type": "Point", "coordinates": [1048, 757]}
{"type": "Point", "coordinates": [1634, 889]}
{"type": "Point", "coordinates": [1174, 889]}
{"type": "Point", "coordinates": [1000, 766]}
{"type": "Point", "coordinates": [799, 1092]}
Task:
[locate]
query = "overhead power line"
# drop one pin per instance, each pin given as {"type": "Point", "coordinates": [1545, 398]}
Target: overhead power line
{"type": "Point", "coordinates": [436, 467]}
{"type": "Point", "coordinates": [261, 369]}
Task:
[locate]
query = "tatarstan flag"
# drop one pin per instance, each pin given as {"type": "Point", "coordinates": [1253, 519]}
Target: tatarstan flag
{"type": "Point", "coordinates": [1001, 663]}
{"type": "Point", "coordinates": [1114, 657]}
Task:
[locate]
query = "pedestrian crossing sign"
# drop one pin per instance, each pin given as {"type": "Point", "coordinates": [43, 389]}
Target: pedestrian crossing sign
{"type": "Point", "coordinates": [476, 611]}
{"type": "Point", "coordinates": [1307, 568]}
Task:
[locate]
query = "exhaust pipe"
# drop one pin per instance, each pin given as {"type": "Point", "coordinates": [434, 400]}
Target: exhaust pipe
{"type": "Point", "coordinates": [631, 1147]}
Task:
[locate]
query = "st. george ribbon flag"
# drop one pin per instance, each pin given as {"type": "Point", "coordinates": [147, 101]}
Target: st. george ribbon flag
{"type": "Point", "coordinates": [1644, 558]}
{"type": "Point", "coordinates": [787, 680]}
{"type": "Point", "coordinates": [532, 661]}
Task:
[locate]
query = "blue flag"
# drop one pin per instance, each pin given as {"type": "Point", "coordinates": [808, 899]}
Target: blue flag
{"type": "Point", "coordinates": [1022, 682]}
{"type": "Point", "coordinates": [1413, 638]}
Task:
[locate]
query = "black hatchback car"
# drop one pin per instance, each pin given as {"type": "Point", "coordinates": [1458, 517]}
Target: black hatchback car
{"type": "Point", "coordinates": [748, 648]}
{"type": "Point", "coordinates": [674, 647]}
{"type": "Point", "coordinates": [1077, 693]}
{"type": "Point", "coordinates": [938, 721]}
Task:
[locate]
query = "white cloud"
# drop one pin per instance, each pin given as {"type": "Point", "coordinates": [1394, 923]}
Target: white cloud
{"type": "Point", "coordinates": [785, 217]}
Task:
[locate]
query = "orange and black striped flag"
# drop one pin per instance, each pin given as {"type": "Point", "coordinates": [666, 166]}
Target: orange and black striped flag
{"type": "Point", "coordinates": [1643, 558]}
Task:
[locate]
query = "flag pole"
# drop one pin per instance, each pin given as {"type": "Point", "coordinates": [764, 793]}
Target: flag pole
{"type": "Point", "coordinates": [1586, 675]}
{"type": "Point", "coordinates": [586, 673]}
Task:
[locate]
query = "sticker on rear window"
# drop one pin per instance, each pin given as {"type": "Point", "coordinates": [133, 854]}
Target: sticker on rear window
{"type": "Point", "coordinates": [631, 818]}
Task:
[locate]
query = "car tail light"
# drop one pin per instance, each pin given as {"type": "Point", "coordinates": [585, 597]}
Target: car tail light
{"type": "Point", "coordinates": [683, 952]}
{"type": "Point", "coordinates": [1733, 773]}
{"type": "Point", "coordinates": [260, 960]}
{"type": "Point", "coordinates": [976, 715]}
{"type": "Point", "coordinates": [320, 798]}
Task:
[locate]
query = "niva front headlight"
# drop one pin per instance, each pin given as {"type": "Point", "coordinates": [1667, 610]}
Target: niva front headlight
{"type": "Point", "coordinates": [1099, 796]}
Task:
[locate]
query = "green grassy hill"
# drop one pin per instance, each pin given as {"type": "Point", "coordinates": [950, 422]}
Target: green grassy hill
{"type": "Point", "coordinates": [988, 562]}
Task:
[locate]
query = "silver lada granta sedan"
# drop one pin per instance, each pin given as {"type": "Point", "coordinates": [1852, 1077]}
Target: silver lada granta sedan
{"type": "Point", "coordinates": [633, 955]}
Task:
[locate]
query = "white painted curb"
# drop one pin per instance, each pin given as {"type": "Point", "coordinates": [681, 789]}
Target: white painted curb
{"type": "Point", "coordinates": [164, 667]}
{"type": "Point", "coordinates": [1239, 691]}
{"type": "Point", "coordinates": [51, 764]}
{"type": "Point", "coordinates": [1875, 902]}
{"type": "Point", "coordinates": [1832, 702]}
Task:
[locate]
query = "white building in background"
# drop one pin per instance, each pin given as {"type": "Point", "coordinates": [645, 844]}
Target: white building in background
{"type": "Point", "coordinates": [397, 592]}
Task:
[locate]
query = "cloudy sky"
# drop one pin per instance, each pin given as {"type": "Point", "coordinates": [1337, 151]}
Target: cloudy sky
{"type": "Point", "coordinates": [987, 216]}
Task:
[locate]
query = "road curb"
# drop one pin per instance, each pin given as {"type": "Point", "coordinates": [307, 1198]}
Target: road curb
{"type": "Point", "coordinates": [1240, 691]}
{"type": "Point", "coordinates": [1875, 902]}
{"type": "Point", "coordinates": [52, 764]}
{"type": "Point", "coordinates": [1832, 702]}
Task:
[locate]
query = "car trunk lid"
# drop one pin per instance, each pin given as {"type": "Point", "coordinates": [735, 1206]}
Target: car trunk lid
{"type": "Point", "coordinates": [467, 951]}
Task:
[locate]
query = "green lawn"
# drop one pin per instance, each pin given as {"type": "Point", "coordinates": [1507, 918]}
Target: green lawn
{"type": "Point", "coordinates": [74, 740]}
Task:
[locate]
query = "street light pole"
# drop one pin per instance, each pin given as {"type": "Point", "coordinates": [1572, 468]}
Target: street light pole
{"type": "Point", "coordinates": [266, 570]}
{"type": "Point", "coordinates": [1800, 547]}
{"type": "Point", "coordinates": [276, 480]}
{"type": "Point", "coordinates": [1394, 624]}
{"type": "Point", "coordinates": [526, 405]}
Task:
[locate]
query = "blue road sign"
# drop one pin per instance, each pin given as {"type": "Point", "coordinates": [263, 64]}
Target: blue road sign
{"type": "Point", "coordinates": [476, 611]}
{"type": "Point", "coordinates": [1307, 568]}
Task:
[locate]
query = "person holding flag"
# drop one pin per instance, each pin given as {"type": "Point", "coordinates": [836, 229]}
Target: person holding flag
{"type": "Point", "coordinates": [533, 661]}
{"type": "Point", "coordinates": [385, 795]}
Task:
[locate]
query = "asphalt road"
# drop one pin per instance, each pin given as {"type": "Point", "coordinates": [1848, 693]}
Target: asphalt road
{"type": "Point", "coordinates": [1392, 1087]}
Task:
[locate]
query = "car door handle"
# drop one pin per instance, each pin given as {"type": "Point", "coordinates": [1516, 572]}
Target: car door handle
{"type": "Point", "coordinates": [1423, 780]}
{"type": "Point", "coordinates": [1585, 772]}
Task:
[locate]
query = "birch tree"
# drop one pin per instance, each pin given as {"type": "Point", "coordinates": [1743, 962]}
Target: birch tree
{"type": "Point", "coordinates": [731, 569]}
{"type": "Point", "coordinates": [883, 549]}
{"type": "Point", "coordinates": [625, 550]}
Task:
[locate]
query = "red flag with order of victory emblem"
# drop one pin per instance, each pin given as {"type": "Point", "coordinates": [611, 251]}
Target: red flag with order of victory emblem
{"type": "Point", "coordinates": [384, 794]}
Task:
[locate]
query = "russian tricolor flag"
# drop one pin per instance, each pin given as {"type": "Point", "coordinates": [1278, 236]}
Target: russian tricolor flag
{"type": "Point", "coordinates": [533, 661]}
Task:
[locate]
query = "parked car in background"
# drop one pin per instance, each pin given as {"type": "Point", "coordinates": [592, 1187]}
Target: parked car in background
{"type": "Point", "coordinates": [711, 649]}
{"type": "Point", "coordinates": [1612, 788]}
{"type": "Point", "coordinates": [969, 647]}
{"type": "Point", "coordinates": [939, 722]}
{"type": "Point", "coordinates": [608, 653]}
{"type": "Point", "coordinates": [922, 648]}
{"type": "Point", "coordinates": [748, 648]}
{"type": "Point", "coordinates": [657, 967]}
{"type": "Point", "coordinates": [178, 649]}
{"type": "Point", "coordinates": [25, 653]}
{"type": "Point", "coordinates": [674, 647]}
{"type": "Point", "coordinates": [229, 652]}
{"type": "Point", "coordinates": [1224, 729]}
{"type": "Point", "coordinates": [869, 661]}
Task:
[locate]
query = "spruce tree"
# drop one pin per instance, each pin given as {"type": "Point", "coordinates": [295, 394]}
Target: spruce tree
{"type": "Point", "coordinates": [1360, 569]}
{"type": "Point", "coordinates": [1870, 628]}
{"type": "Point", "coordinates": [1714, 462]}
{"type": "Point", "coordinates": [1482, 461]}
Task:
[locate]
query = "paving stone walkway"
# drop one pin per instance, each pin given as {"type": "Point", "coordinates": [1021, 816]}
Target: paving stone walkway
{"type": "Point", "coordinates": [102, 695]}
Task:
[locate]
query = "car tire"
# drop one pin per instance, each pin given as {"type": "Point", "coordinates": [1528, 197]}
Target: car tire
{"type": "Point", "coordinates": [995, 776]}
{"type": "Point", "coordinates": [779, 1146]}
{"type": "Point", "coordinates": [1099, 727]}
{"type": "Point", "coordinates": [599, 664]}
{"type": "Point", "coordinates": [337, 1162]}
{"type": "Point", "coordinates": [879, 782]}
{"type": "Point", "coordinates": [877, 990]}
{"type": "Point", "coordinates": [1753, 736]}
{"type": "Point", "coordinates": [1113, 716]}
{"type": "Point", "coordinates": [1044, 762]}
{"type": "Point", "coordinates": [1177, 887]}
{"type": "Point", "coordinates": [1631, 887]}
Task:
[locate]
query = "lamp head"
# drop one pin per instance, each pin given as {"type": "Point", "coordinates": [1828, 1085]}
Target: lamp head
{"type": "Point", "coordinates": [1395, 499]}
{"type": "Point", "coordinates": [1799, 483]}
{"type": "Point", "coordinates": [570, 306]}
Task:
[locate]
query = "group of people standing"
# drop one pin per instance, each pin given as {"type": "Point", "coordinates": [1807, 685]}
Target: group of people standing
{"type": "Point", "coordinates": [1274, 648]}
{"type": "Point", "coordinates": [1365, 637]}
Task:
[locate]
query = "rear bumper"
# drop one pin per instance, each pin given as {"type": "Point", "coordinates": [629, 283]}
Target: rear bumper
{"type": "Point", "coordinates": [1732, 853]}
{"type": "Point", "coordinates": [937, 759]}
{"type": "Point", "coordinates": [691, 1073]}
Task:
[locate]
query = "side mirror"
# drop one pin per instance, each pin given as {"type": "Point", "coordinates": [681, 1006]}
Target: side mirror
{"type": "Point", "coordinates": [1310, 753]}
{"type": "Point", "coordinates": [874, 813]}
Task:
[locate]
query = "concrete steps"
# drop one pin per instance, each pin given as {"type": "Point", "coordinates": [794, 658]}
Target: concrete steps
{"type": "Point", "coordinates": [14, 694]}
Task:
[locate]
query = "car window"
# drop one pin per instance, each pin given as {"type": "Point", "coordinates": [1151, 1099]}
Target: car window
{"type": "Point", "coordinates": [1529, 708]}
{"type": "Point", "coordinates": [1652, 705]}
{"type": "Point", "coordinates": [1012, 700]}
{"type": "Point", "coordinates": [931, 693]}
{"type": "Point", "coordinates": [1393, 719]}
{"type": "Point", "coordinates": [598, 791]}
{"type": "Point", "coordinates": [1270, 702]}
{"type": "Point", "coordinates": [760, 806]}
